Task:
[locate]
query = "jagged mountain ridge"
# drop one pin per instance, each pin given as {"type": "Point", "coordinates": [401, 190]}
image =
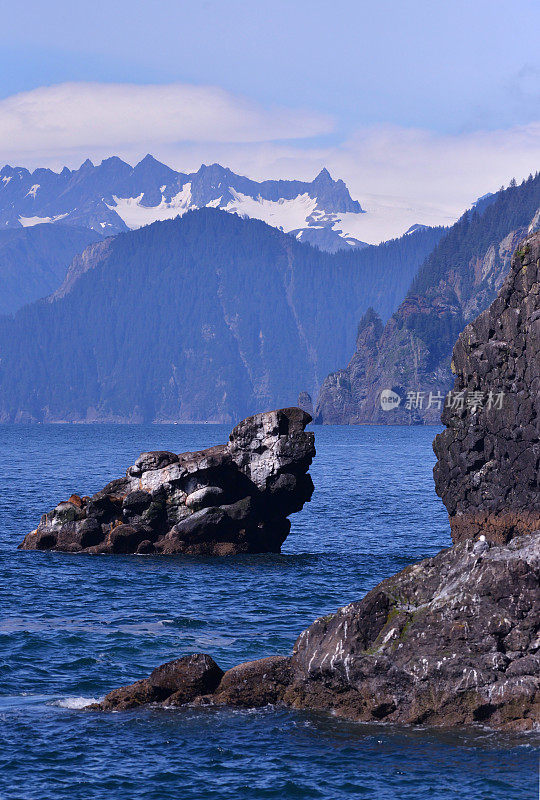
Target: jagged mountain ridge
{"type": "Point", "coordinates": [412, 352]}
{"type": "Point", "coordinates": [113, 197]}
{"type": "Point", "coordinates": [209, 317]}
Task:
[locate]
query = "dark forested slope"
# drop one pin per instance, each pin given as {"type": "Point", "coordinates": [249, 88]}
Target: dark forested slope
{"type": "Point", "coordinates": [207, 317]}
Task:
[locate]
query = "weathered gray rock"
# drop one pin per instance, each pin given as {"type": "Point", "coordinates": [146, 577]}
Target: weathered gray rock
{"type": "Point", "coordinates": [344, 393]}
{"type": "Point", "coordinates": [488, 469]}
{"type": "Point", "coordinates": [305, 402]}
{"type": "Point", "coordinates": [233, 498]}
{"type": "Point", "coordinates": [452, 640]}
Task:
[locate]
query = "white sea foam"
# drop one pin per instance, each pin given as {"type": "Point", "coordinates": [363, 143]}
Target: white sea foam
{"type": "Point", "coordinates": [75, 702]}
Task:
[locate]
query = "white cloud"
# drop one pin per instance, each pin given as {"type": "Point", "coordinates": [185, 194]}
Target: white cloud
{"type": "Point", "coordinates": [432, 178]}
{"type": "Point", "coordinates": [49, 122]}
{"type": "Point", "coordinates": [441, 170]}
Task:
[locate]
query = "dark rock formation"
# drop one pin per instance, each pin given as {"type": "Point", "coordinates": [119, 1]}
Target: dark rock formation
{"type": "Point", "coordinates": [233, 498]}
{"type": "Point", "coordinates": [488, 469]}
{"type": "Point", "coordinates": [175, 683]}
{"type": "Point", "coordinates": [452, 640]}
{"type": "Point", "coordinates": [255, 683]}
{"type": "Point", "coordinates": [412, 355]}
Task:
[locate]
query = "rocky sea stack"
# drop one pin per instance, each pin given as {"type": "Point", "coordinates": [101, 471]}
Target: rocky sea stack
{"type": "Point", "coordinates": [229, 499]}
{"type": "Point", "coordinates": [488, 469]}
{"type": "Point", "coordinates": [454, 639]}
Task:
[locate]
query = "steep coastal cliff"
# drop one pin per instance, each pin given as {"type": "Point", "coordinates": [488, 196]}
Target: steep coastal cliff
{"type": "Point", "coordinates": [411, 355]}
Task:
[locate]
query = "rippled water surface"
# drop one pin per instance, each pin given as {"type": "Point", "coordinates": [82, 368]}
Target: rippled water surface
{"type": "Point", "coordinates": [74, 626]}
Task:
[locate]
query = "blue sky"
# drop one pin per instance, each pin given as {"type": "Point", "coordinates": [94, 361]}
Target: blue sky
{"type": "Point", "coordinates": [429, 104]}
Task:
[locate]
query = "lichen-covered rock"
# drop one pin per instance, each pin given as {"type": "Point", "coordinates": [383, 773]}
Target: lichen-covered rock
{"type": "Point", "coordinates": [233, 498]}
{"type": "Point", "coordinates": [488, 468]}
{"type": "Point", "coordinates": [452, 640]}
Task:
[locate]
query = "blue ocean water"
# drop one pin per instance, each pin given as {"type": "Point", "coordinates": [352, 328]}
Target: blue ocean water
{"type": "Point", "coordinates": [72, 627]}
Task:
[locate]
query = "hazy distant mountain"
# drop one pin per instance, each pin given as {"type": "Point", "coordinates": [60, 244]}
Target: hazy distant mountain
{"type": "Point", "coordinates": [412, 352]}
{"type": "Point", "coordinates": [207, 317]}
{"type": "Point", "coordinates": [34, 261]}
{"type": "Point", "coordinates": [114, 197]}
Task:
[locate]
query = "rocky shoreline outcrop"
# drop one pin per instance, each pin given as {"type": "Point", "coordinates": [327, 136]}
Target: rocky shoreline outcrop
{"type": "Point", "coordinates": [453, 640]}
{"type": "Point", "coordinates": [488, 468]}
{"type": "Point", "coordinates": [230, 499]}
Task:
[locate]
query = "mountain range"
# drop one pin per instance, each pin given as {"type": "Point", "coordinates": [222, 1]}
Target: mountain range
{"type": "Point", "coordinates": [411, 353]}
{"type": "Point", "coordinates": [114, 197]}
{"type": "Point", "coordinates": [222, 313]}
{"type": "Point", "coordinates": [206, 317]}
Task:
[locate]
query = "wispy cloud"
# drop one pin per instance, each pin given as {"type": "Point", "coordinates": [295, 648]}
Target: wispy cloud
{"type": "Point", "coordinates": [444, 172]}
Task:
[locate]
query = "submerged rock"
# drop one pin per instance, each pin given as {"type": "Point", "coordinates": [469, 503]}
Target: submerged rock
{"type": "Point", "coordinates": [233, 498]}
{"type": "Point", "coordinates": [488, 468]}
{"type": "Point", "coordinates": [452, 640]}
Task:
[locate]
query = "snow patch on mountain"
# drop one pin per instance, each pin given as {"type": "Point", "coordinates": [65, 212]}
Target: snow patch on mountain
{"type": "Point", "coordinates": [135, 214]}
{"type": "Point", "coordinates": [386, 219]}
{"type": "Point", "coordinates": [29, 222]}
{"type": "Point", "coordinates": [113, 196]}
{"type": "Point", "coordinates": [288, 215]}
